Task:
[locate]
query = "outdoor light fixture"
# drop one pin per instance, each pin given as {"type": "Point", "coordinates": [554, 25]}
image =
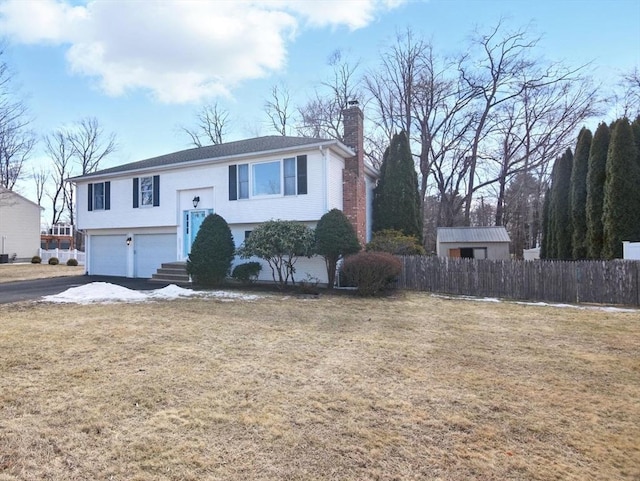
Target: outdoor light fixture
{"type": "Point", "coordinates": [129, 241]}
{"type": "Point", "coordinates": [196, 201]}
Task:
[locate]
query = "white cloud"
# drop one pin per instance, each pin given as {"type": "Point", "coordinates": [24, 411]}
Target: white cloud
{"type": "Point", "coordinates": [180, 50]}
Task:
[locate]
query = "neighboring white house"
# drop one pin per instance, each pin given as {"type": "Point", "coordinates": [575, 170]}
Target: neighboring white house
{"type": "Point", "coordinates": [631, 250]}
{"type": "Point", "coordinates": [473, 242]}
{"type": "Point", "coordinates": [19, 227]}
{"type": "Point", "coordinates": [142, 214]}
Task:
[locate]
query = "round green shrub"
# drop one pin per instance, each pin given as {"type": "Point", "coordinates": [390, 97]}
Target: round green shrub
{"type": "Point", "coordinates": [371, 272]}
{"type": "Point", "coordinates": [54, 261]}
{"type": "Point", "coordinates": [247, 272]}
{"type": "Point", "coordinates": [395, 242]}
{"type": "Point", "coordinates": [36, 260]}
{"type": "Point", "coordinates": [72, 262]}
{"type": "Point", "coordinates": [212, 252]}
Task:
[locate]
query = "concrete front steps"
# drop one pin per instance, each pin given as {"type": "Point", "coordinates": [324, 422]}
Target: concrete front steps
{"type": "Point", "coordinates": [172, 273]}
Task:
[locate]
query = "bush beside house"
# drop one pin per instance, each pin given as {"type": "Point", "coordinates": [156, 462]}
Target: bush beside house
{"type": "Point", "coordinates": [212, 252]}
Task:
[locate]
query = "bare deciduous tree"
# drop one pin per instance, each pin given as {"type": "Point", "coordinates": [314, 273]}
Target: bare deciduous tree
{"type": "Point", "coordinates": [75, 150]}
{"type": "Point", "coordinates": [90, 144]}
{"type": "Point", "coordinates": [630, 84]}
{"type": "Point", "coordinates": [40, 178]}
{"type": "Point", "coordinates": [211, 127]}
{"type": "Point", "coordinates": [278, 110]}
{"type": "Point", "coordinates": [60, 151]}
{"type": "Point", "coordinates": [322, 115]}
{"type": "Point", "coordinates": [16, 140]}
{"type": "Point", "coordinates": [496, 112]}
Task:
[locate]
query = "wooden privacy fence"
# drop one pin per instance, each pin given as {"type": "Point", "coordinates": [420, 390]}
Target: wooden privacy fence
{"type": "Point", "coordinates": [602, 282]}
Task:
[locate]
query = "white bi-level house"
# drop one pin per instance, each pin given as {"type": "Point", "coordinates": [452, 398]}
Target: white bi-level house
{"type": "Point", "coordinates": [140, 215]}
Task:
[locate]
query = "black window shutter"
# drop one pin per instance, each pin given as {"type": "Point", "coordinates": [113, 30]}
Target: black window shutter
{"type": "Point", "coordinates": [302, 174]}
{"type": "Point", "coordinates": [90, 197]}
{"type": "Point", "coordinates": [136, 197]}
{"type": "Point", "coordinates": [107, 195]}
{"type": "Point", "coordinates": [233, 182]}
{"type": "Point", "coordinates": [156, 190]}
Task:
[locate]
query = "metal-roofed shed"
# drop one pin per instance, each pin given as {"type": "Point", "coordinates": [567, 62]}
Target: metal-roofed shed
{"type": "Point", "coordinates": [473, 242]}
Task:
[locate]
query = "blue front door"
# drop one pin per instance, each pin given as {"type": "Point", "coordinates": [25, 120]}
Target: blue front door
{"type": "Point", "coordinates": [192, 221]}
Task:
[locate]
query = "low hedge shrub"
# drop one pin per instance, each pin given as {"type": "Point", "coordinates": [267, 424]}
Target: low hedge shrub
{"type": "Point", "coordinates": [36, 260]}
{"type": "Point", "coordinates": [371, 272]}
{"type": "Point", "coordinates": [247, 272]}
{"type": "Point", "coordinates": [395, 242]}
{"type": "Point", "coordinates": [54, 261]}
{"type": "Point", "coordinates": [72, 262]}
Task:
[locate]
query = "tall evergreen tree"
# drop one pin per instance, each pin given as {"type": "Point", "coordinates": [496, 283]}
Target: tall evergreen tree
{"type": "Point", "coordinates": [561, 207]}
{"type": "Point", "coordinates": [621, 211]}
{"type": "Point", "coordinates": [396, 199]}
{"type": "Point", "coordinates": [635, 127]}
{"type": "Point", "coordinates": [595, 190]}
{"type": "Point", "coordinates": [579, 194]}
{"type": "Point", "coordinates": [546, 225]}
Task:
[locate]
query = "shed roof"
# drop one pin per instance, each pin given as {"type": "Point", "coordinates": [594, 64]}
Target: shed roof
{"type": "Point", "coordinates": [473, 234]}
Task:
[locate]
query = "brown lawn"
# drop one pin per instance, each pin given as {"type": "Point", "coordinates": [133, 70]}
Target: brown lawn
{"type": "Point", "coordinates": [336, 388]}
{"type": "Point", "coordinates": [23, 272]}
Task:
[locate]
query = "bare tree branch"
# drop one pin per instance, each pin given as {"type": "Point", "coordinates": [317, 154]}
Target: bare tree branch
{"type": "Point", "coordinates": [211, 127]}
{"type": "Point", "coordinates": [278, 110]}
{"type": "Point", "coordinates": [89, 144]}
{"type": "Point", "coordinates": [16, 140]}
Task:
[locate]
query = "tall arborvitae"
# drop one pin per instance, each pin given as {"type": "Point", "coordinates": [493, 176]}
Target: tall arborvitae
{"type": "Point", "coordinates": [595, 190]}
{"type": "Point", "coordinates": [621, 212]}
{"type": "Point", "coordinates": [546, 225]}
{"type": "Point", "coordinates": [635, 127]}
{"type": "Point", "coordinates": [579, 195]}
{"type": "Point", "coordinates": [396, 199]}
{"type": "Point", "coordinates": [561, 207]}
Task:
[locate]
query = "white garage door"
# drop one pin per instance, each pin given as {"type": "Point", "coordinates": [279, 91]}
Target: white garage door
{"type": "Point", "coordinates": [151, 250]}
{"type": "Point", "coordinates": [108, 255]}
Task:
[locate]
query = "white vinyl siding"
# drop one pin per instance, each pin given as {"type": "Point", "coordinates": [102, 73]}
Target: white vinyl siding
{"type": "Point", "coordinates": [211, 184]}
{"type": "Point", "coordinates": [19, 226]}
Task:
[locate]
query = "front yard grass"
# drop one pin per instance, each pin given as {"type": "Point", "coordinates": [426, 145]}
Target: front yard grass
{"type": "Point", "coordinates": [335, 388]}
{"type": "Point", "coordinates": [24, 272]}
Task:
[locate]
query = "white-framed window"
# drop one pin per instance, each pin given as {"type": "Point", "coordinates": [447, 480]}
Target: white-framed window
{"type": "Point", "coordinates": [272, 178]}
{"type": "Point", "coordinates": [266, 178]}
{"type": "Point", "coordinates": [146, 191]}
{"type": "Point", "coordinates": [243, 181]}
{"type": "Point", "coordinates": [98, 196]}
{"type": "Point", "coordinates": [289, 170]}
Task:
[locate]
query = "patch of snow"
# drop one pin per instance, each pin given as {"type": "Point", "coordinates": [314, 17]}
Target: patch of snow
{"type": "Point", "coordinates": [539, 304]}
{"type": "Point", "coordinates": [104, 292]}
{"type": "Point", "coordinates": [227, 295]}
{"type": "Point", "coordinates": [97, 292]}
{"type": "Point", "coordinates": [171, 292]}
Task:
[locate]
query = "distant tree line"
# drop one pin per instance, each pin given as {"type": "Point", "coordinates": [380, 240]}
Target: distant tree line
{"type": "Point", "coordinates": [593, 203]}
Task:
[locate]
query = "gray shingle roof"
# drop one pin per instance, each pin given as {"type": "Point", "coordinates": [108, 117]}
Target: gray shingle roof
{"type": "Point", "coordinates": [473, 234]}
{"type": "Point", "coordinates": [216, 152]}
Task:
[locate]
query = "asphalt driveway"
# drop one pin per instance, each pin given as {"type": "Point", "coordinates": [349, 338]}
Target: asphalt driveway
{"type": "Point", "coordinates": [35, 289]}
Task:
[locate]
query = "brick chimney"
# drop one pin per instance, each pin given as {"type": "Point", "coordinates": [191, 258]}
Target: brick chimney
{"type": "Point", "coordinates": [354, 198]}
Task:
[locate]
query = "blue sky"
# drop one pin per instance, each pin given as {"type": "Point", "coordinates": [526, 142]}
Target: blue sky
{"type": "Point", "coordinates": [143, 68]}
